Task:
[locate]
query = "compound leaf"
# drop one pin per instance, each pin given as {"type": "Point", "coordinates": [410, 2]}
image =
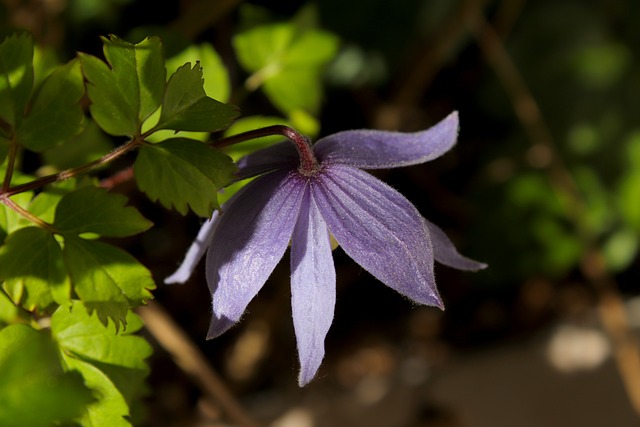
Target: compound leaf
{"type": "Point", "coordinates": [130, 89]}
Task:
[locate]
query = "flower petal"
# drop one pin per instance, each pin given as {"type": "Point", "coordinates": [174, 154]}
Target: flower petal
{"type": "Point", "coordinates": [282, 155]}
{"type": "Point", "coordinates": [446, 253]}
{"type": "Point", "coordinates": [380, 229]}
{"type": "Point", "coordinates": [252, 236]}
{"type": "Point", "coordinates": [372, 149]}
{"type": "Point", "coordinates": [196, 251]}
{"type": "Point", "coordinates": [313, 287]}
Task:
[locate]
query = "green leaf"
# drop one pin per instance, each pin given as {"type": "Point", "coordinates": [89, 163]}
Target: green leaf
{"type": "Point", "coordinates": [182, 174]}
{"type": "Point", "coordinates": [9, 312]}
{"type": "Point", "coordinates": [56, 114]}
{"type": "Point", "coordinates": [10, 220]}
{"type": "Point", "coordinates": [107, 279]}
{"type": "Point", "coordinates": [186, 106]}
{"type": "Point", "coordinates": [127, 93]}
{"type": "Point", "coordinates": [118, 354]}
{"type": "Point", "coordinates": [33, 269]}
{"type": "Point", "coordinates": [16, 77]}
{"type": "Point", "coordinates": [94, 210]}
{"type": "Point", "coordinates": [35, 390]}
{"type": "Point", "coordinates": [44, 204]}
{"type": "Point", "coordinates": [111, 409]}
{"type": "Point", "coordinates": [288, 61]}
{"type": "Point", "coordinates": [216, 77]}
{"type": "Point", "coordinates": [89, 145]}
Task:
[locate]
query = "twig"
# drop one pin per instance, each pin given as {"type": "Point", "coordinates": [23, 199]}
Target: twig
{"type": "Point", "coordinates": [187, 356]}
{"type": "Point", "coordinates": [610, 303]}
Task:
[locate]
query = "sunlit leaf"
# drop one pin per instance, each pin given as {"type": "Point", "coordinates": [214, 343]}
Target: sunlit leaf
{"type": "Point", "coordinates": [107, 279]}
{"type": "Point", "coordinates": [94, 210]}
{"type": "Point", "coordinates": [33, 269]}
{"type": "Point", "coordinates": [56, 114]}
{"type": "Point", "coordinates": [182, 174]}
{"type": "Point", "coordinates": [118, 354]}
{"type": "Point", "coordinates": [35, 389]}
{"type": "Point", "coordinates": [130, 89]}
{"type": "Point", "coordinates": [186, 106]}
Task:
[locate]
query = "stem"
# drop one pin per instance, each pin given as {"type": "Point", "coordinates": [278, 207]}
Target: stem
{"type": "Point", "coordinates": [26, 214]}
{"type": "Point", "coordinates": [308, 162]}
{"type": "Point", "coordinates": [187, 356]}
{"type": "Point", "coordinates": [70, 173]}
{"type": "Point", "coordinates": [13, 152]}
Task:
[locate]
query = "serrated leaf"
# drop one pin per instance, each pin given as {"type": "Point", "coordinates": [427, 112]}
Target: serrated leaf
{"type": "Point", "coordinates": [56, 114]}
{"type": "Point", "coordinates": [16, 77]}
{"type": "Point", "coordinates": [94, 210]}
{"type": "Point", "coordinates": [35, 390]}
{"type": "Point", "coordinates": [216, 77]}
{"type": "Point", "coordinates": [107, 279]}
{"type": "Point", "coordinates": [125, 94]}
{"type": "Point", "coordinates": [33, 270]}
{"type": "Point", "coordinates": [182, 174]}
{"type": "Point", "coordinates": [120, 355]}
{"type": "Point", "coordinates": [44, 204]}
{"type": "Point", "coordinates": [186, 106]}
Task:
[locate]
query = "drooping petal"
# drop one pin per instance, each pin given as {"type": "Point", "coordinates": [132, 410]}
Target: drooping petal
{"type": "Point", "coordinates": [252, 236]}
{"type": "Point", "coordinates": [380, 229]}
{"type": "Point", "coordinates": [371, 149]}
{"type": "Point", "coordinates": [313, 287]}
{"type": "Point", "coordinates": [446, 253]}
{"type": "Point", "coordinates": [196, 251]}
{"type": "Point", "coordinates": [282, 155]}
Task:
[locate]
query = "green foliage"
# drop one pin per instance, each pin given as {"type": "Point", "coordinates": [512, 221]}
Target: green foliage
{"type": "Point", "coordinates": [186, 106]}
{"type": "Point", "coordinates": [111, 361]}
{"type": "Point", "coordinates": [107, 279]}
{"type": "Point", "coordinates": [16, 77]}
{"type": "Point", "coordinates": [286, 59]}
{"type": "Point", "coordinates": [93, 210]}
{"type": "Point", "coordinates": [129, 89]}
{"type": "Point", "coordinates": [36, 391]}
{"type": "Point", "coordinates": [55, 114]}
{"type": "Point", "coordinates": [33, 269]}
{"type": "Point", "coordinates": [169, 171]}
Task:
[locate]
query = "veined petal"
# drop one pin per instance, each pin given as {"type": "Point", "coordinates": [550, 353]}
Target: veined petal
{"type": "Point", "coordinates": [380, 229]}
{"type": "Point", "coordinates": [313, 287]}
{"type": "Point", "coordinates": [278, 156]}
{"type": "Point", "coordinates": [252, 236]}
{"type": "Point", "coordinates": [446, 253]}
{"type": "Point", "coordinates": [372, 149]}
{"type": "Point", "coordinates": [196, 251]}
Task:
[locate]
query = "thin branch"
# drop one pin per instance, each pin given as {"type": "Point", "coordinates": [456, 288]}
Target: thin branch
{"type": "Point", "coordinates": [187, 356]}
{"type": "Point", "coordinates": [11, 161]}
{"type": "Point", "coordinates": [26, 214]}
{"type": "Point", "coordinates": [610, 303]}
{"type": "Point", "coordinates": [70, 173]}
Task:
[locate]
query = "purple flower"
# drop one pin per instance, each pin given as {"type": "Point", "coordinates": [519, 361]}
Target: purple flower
{"type": "Point", "coordinates": [303, 196]}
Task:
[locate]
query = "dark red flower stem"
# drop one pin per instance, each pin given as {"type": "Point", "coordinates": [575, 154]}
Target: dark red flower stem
{"type": "Point", "coordinates": [308, 162]}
